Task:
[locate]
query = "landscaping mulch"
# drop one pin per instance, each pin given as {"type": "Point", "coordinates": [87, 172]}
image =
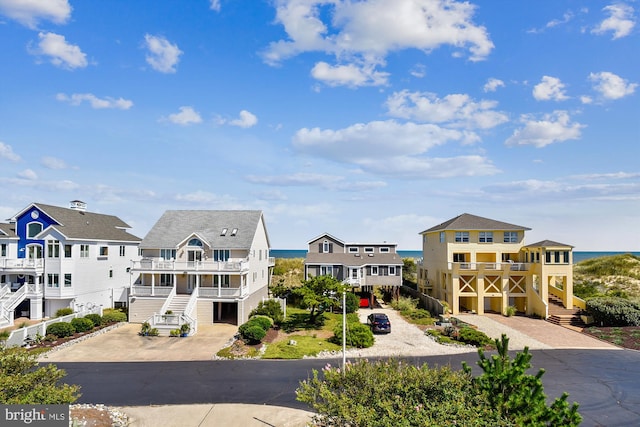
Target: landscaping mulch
{"type": "Point", "coordinates": [622, 336]}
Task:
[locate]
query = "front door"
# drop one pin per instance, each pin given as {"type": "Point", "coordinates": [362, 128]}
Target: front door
{"type": "Point", "coordinates": [194, 257]}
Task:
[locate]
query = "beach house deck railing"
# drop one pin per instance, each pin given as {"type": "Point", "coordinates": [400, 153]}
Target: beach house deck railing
{"type": "Point", "coordinates": [164, 266]}
{"type": "Point", "coordinates": [499, 266]}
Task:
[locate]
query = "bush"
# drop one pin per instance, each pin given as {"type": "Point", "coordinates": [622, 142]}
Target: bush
{"type": "Point", "coordinates": [113, 316]}
{"type": "Point", "coordinates": [358, 335]}
{"type": "Point", "coordinates": [253, 333]}
{"type": "Point", "coordinates": [82, 324]}
{"type": "Point", "coordinates": [61, 329]}
{"type": "Point", "coordinates": [64, 312]}
{"type": "Point", "coordinates": [404, 304]}
{"type": "Point", "coordinates": [95, 318]}
{"type": "Point", "coordinates": [352, 302]}
{"type": "Point", "coordinates": [614, 311]}
{"type": "Point", "coordinates": [270, 308]}
{"type": "Point", "coordinates": [473, 337]}
{"type": "Point", "coordinates": [264, 322]}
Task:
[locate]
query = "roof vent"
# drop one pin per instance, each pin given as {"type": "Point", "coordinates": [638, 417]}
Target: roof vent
{"type": "Point", "coordinates": [78, 205]}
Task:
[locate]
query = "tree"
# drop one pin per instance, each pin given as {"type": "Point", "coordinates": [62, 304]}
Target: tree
{"type": "Point", "coordinates": [517, 396]}
{"type": "Point", "coordinates": [319, 294]}
{"type": "Point", "coordinates": [22, 383]}
{"type": "Point", "coordinates": [409, 270]}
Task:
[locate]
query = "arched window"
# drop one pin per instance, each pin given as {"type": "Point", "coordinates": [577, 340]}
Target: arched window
{"type": "Point", "coordinates": [33, 229]}
{"type": "Point", "coordinates": [195, 242]}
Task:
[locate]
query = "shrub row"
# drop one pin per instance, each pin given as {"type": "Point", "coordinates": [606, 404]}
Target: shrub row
{"type": "Point", "coordinates": [614, 311]}
{"type": "Point", "coordinates": [255, 329]}
{"type": "Point", "coordinates": [83, 324]}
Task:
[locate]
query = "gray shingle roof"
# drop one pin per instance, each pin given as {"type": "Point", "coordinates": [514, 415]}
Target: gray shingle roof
{"type": "Point", "coordinates": [548, 244]}
{"type": "Point", "coordinates": [472, 222]}
{"type": "Point", "coordinates": [177, 225]}
{"type": "Point", "coordinates": [8, 230]}
{"type": "Point", "coordinates": [352, 259]}
{"type": "Point", "coordinates": [82, 225]}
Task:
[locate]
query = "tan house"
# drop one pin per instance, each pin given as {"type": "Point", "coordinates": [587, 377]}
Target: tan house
{"type": "Point", "coordinates": [201, 266]}
{"type": "Point", "coordinates": [363, 266]}
{"type": "Point", "coordinates": [478, 264]}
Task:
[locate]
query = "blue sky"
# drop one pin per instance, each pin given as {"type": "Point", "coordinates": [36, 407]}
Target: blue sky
{"type": "Point", "coordinates": [371, 120]}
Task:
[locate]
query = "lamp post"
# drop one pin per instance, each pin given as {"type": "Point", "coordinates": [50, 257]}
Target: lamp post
{"type": "Point", "coordinates": [344, 331]}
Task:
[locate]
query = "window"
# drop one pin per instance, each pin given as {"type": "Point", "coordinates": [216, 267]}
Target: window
{"type": "Point", "coordinates": [234, 232]}
{"type": "Point", "coordinates": [33, 228]}
{"type": "Point", "coordinates": [368, 250]}
{"type": "Point", "coordinates": [374, 270]}
{"type": "Point", "coordinates": [3, 249]}
{"type": "Point", "coordinates": [67, 280]}
{"type": "Point", "coordinates": [166, 280]}
{"type": "Point", "coordinates": [326, 270]}
{"type": "Point", "coordinates": [223, 280]}
{"type": "Point", "coordinates": [486, 237]}
{"type": "Point", "coordinates": [353, 249]}
{"type": "Point", "coordinates": [458, 258]}
{"type": "Point", "coordinates": [384, 250]}
{"type": "Point", "coordinates": [556, 257]}
{"type": "Point", "coordinates": [221, 254]}
{"type": "Point", "coordinates": [34, 251]}
{"type": "Point", "coordinates": [326, 247]}
{"type": "Point", "coordinates": [195, 242]}
{"type": "Point", "coordinates": [53, 248]}
{"type": "Point", "coordinates": [223, 232]}
{"type": "Point", "coordinates": [111, 273]}
{"type": "Point", "coordinates": [122, 250]}
{"type": "Point", "coordinates": [462, 237]}
{"type": "Point", "coordinates": [67, 251]}
{"type": "Point", "coordinates": [53, 280]}
{"type": "Point", "coordinates": [168, 254]}
{"type": "Point", "coordinates": [84, 251]}
{"type": "Point", "coordinates": [104, 250]}
{"type": "Point", "coordinates": [510, 237]}
{"type": "Point", "coordinates": [442, 237]}
{"type": "Point", "coordinates": [392, 270]}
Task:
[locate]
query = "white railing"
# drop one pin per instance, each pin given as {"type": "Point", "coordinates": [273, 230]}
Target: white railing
{"type": "Point", "coordinates": [146, 291]}
{"type": "Point", "coordinates": [352, 282]}
{"type": "Point", "coordinates": [4, 289]}
{"type": "Point", "coordinates": [512, 266]}
{"type": "Point", "coordinates": [205, 292]}
{"type": "Point", "coordinates": [167, 302]}
{"type": "Point", "coordinates": [22, 336]}
{"type": "Point", "coordinates": [21, 263]}
{"type": "Point", "coordinates": [159, 264]}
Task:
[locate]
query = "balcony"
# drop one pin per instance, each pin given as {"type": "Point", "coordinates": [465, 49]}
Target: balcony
{"type": "Point", "coordinates": [484, 266]}
{"type": "Point", "coordinates": [159, 265]}
{"type": "Point", "coordinates": [21, 265]}
{"type": "Point", "coordinates": [203, 291]}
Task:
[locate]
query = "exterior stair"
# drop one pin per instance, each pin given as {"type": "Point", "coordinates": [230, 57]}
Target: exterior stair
{"type": "Point", "coordinates": [178, 303]}
{"type": "Point", "coordinates": [559, 315]}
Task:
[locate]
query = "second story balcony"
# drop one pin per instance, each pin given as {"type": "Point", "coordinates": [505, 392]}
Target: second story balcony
{"type": "Point", "coordinates": [485, 266]}
{"type": "Point", "coordinates": [159, 265]}
{"type": "Point", "coordinates": [21, 265]}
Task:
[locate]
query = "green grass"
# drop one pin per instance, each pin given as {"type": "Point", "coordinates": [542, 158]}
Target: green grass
{"type": "Point", "coordinates": [306, 345]}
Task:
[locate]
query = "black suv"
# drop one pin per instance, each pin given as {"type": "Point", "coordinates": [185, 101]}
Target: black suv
{"type": "Point", "coordinates": [379, 323]}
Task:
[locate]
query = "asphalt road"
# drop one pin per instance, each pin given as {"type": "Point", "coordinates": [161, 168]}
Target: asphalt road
{"type": "Point", "coordinates": [606, 383]}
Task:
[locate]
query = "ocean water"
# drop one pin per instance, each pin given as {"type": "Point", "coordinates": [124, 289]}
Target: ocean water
{"type": "Point", "coordinates": [577, 255]}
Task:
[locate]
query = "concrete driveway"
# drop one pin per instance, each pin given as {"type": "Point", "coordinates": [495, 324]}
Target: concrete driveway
{"type": "Point", "coordinates": [123, 344]}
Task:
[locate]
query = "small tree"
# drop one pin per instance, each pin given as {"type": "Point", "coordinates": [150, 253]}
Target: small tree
{"type": "Point", "coordinates": [516, 396]}
{"type": "Point", "coordinates": [22, 383]}
{"type": "Point", "coordinates": [319, 294]}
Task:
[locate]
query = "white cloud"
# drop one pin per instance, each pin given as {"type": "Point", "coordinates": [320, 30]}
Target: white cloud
{"type": "Point", "coordinates": [391, 148]}
{"type": "Point", "coordinates": [246, 120]}
{"type": "Point", "coordinates": [53, 163]}
{"type": "Point", "coordinates": [94, 101]}
{"type": "Point", "coordinates": [418, 71]}
{"type": "Point", "coordinates": [455, 109]}
{"type": "Point", "coordinates": [214, 5]}
{"type": "Point", "coordinates": [363, 33]}
{"type": "Point", "coordinates": [31, 12]}
{"type": "Point", "coordinates": [620, 22]}
{"type": "Point", "coordinates": [330, 182]}
{"type": "Point", "coordinates": [611, 86]}
{"type": "Point", "coordinates": [586, 99]}
{"type": "Point", "coordinates": [6, 152]}
{"type": "Point", "coordinates": [555, 127]}
{"type": "Point", "coordinates": [28, 174]}
{"type": "Point", "coordinates": [186, 116]}
{"type": "Point", "coordinates": [348, 75]}
{"type": "Point", "coordinates": [61, 53]}
{"type": "Point", "coordinates": [550, 88]}
{"type": "Point", "coordinates": [492, 85]}
{"type": "Point", "coordinates": [163, 56]}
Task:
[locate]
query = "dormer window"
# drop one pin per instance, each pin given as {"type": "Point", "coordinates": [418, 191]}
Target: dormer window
{"type": "Point", "coordinates": [195, 242]}
{"type": "Point", "coordinates": [223, 232]}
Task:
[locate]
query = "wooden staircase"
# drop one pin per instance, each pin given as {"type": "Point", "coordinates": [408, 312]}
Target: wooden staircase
{"type": "Point", "coordinates": [559, 315]}
{"type": "Point", "coordinates": [178, 303]}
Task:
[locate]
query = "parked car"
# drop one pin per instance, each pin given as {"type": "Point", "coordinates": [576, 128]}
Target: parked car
{"type": "Point", "coordinates": [379, 323]}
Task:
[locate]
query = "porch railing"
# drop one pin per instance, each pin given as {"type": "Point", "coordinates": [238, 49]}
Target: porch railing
{"type": "Point", "coordinates": [159, 264]}
{"type": "Point", "coordinates": [205, 292]}
{"type": "Point", "coordinates": [147, 291]}
{"type": "Point", "coordinates": [499, 266]}
{"type": "Point", "coordinates": [21, 263]}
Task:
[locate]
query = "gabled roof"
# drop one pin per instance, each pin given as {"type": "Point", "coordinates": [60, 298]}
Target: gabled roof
{"type": "Point", "coordinates": [467, 221]}
{"type": "Point", "coordinates": [82, 225]}
{"type": "Point", "coordinates": [327, 235]}
{"type": "Point", "coordinates": [8, 230]}
{"type": "Point", "coordinates": [175, 226]}
{"type": "Point", "coordinates": [352, 260]}
{"type": "Point", "coordinates": [548, 244]}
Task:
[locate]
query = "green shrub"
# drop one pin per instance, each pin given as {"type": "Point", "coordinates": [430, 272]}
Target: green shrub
{"type": "Point", "coordinates": [352, 302]}
{"type": "Point", "coordinates": [61, 329]}
{"type": "Point", "coordinates": [404, 304]}
{"type": "Point", "coordinates": [614, 311]}
{"type": "Point", "coordinates": [473, 337]}
{"type": "Point", "coordinates": [113, 316]}
{"type": "Point", "coordinates": [82, 324]}
{"type": "Point", "coordinates": [174, 333]}
{"type": "Point", "coordinates": [95, 318]}
{"type": "Point", "coordinates": [511, 311]}
{"type": "Point", "coordinates": [253, 333]}
{"type": "Point", "coordinates": [154, 332]}
{"type": "Point", "coordinates": [265, 322]}
{"type": "Point", "coordinates": [64, 312]}
{"type": "Point", "coordinates": [358, 335]}
{"type": "Point", "coordinates": [270, 308]}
